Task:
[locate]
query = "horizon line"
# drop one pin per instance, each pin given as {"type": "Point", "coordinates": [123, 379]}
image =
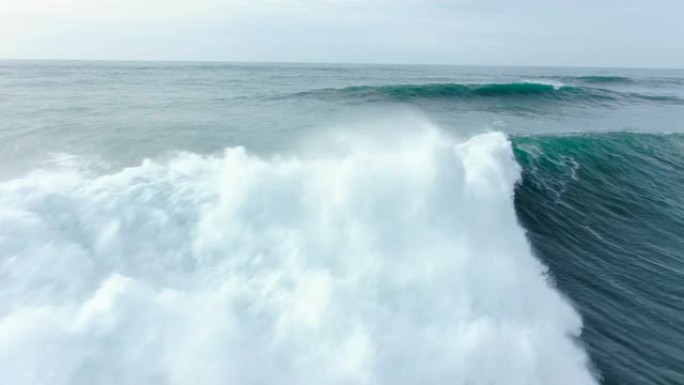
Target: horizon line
{"type": "Point", "coordinates": [284, 62]}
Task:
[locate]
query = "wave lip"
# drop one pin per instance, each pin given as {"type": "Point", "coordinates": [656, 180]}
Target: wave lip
{"type": "Point", "coordinates": [381, 264]}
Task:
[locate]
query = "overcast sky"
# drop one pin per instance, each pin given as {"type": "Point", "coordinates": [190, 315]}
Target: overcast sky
{"type": "Point", "coordinates": [613, 33]}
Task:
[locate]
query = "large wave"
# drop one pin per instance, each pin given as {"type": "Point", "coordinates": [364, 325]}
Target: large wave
{"type": "Point", "coordinates": [397, 262]}
{"type": "Point", "coordinates": [606, 213]}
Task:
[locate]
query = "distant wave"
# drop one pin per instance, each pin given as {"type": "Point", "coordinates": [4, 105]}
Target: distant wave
{"type": "Point", "coordinates": [520, 90]}
{"type": "Point", "coordinates": [442, 90]}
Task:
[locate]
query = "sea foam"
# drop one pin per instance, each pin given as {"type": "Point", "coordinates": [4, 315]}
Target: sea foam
{"type": "Point", "coordinates": [399, 263]}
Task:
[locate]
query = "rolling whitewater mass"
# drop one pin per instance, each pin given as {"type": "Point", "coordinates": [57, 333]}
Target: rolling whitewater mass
{"type": "Point", "coordinates": [209, 223]}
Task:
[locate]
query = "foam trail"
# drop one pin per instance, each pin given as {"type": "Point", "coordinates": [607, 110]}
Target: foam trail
{"type": "Point", "coordinates": [379, 264]}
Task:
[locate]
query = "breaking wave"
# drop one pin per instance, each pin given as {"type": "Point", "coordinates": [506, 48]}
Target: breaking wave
{"type": "Point", "coordinates": [379, 263]}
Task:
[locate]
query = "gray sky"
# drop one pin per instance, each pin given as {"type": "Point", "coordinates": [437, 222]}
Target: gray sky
{"type": "Point", "coordinates": [624, 33]}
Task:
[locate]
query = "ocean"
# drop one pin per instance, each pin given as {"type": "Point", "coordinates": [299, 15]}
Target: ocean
{"type": "Point", "coordinates": [238, 223]}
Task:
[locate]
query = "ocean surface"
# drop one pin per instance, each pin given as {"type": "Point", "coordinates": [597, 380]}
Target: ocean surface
{"type": "Point", "coordinates": [210, 223]}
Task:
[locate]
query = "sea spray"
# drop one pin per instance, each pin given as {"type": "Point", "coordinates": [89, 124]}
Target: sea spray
{"type": "Point", "coordinates": [376, 264]}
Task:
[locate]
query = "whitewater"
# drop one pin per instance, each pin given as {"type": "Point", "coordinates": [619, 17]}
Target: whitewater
{"type": "Point", "coordinates": [376, 261]}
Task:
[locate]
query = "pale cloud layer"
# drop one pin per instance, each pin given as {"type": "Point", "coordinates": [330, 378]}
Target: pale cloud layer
{"type": "Point", "coordinates": [625, 33]}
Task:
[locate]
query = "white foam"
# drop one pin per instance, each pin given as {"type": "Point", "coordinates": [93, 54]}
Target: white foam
{"type": "Point", "coordinates": [379, 264]}
{"type": "Point", "coordinates": [557, 85]}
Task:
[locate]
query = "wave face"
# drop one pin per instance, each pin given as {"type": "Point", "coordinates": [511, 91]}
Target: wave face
{"type": "Point", "coordinates": [612, 206]}
{"type": "Point", "coordinates": [380, 264]}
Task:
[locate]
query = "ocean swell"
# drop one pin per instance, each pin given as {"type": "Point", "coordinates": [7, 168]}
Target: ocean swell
{"type": "Point", "coordinates": [539, 91]}
{"type": "Point", "coordinates": [380, 264]}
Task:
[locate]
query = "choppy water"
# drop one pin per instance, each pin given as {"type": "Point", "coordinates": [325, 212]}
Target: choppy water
{"type": "Point", "coordinates": [180, 223]}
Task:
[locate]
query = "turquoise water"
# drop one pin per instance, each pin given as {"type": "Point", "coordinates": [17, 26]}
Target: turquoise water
{"type": "Point", "coordinates": [267, 223]}
{"type": "Point", "coordinates": [617, 223]}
